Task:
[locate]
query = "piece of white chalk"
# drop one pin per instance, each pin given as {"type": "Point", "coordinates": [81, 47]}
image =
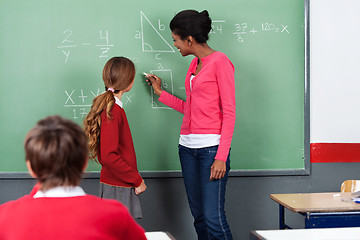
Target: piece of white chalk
{"type": "Point", "coordinates": [145, 73]}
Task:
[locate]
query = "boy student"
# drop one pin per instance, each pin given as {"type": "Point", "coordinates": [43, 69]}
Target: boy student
{"type": "Point", "coordinates": [57, 154]}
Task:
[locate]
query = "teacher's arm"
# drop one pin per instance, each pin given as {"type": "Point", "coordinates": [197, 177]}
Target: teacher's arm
{"type": "Point", "coordinates": [226, 83]}
{"type": "Point", "coordinates": [165, 97]}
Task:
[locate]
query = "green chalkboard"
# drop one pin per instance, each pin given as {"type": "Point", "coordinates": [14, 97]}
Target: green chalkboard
{"type": "Point", "coordinates": [52, 54]}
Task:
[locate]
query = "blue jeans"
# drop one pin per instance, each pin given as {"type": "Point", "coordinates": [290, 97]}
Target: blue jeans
{"type": "Point", "coordinates": [206, 198]}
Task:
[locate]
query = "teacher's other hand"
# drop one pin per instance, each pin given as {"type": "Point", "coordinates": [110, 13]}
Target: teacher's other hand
{"type": "Point", "coordinates": [218, 170]}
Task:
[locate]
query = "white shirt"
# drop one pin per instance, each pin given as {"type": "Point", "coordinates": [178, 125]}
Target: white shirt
{"type": "Point", "coordinates": [118, 102]}
{"type": "Point", "coordinates": [199, 140]}
{"type": "Point", "coordinates": [61, 191]}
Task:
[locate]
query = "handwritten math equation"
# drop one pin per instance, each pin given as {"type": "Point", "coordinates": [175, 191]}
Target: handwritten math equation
{"type": "Point", "coordinates": [79, 101]}
{"type": "Point", "coordinates": [155, 43]}
{"type": "Point", "coordinates": [240, 30]}
{"type": "Point", "coordinates": [68, 44]}
{"type": "Point", "coordinates": [158, 43]}
{"type": "Point", "coordinates": [241, 33]}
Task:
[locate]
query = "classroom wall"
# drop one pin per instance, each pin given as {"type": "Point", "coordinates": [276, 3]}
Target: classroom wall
{"type": "Point", "coordinates": [335, 51]}
{"type": "Point", "coordinates": [334, 118]}
{"type": "Point", "coordinates": [335, 37]}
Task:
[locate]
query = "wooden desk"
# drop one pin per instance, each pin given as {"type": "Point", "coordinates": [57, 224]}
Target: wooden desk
{"type": "Point", "coordinates": [309, 234]}
{"type": "Point", "coordinates": [321, 210]}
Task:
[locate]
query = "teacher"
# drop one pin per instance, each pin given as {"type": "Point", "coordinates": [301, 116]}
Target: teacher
{"type": "Point", "coordinates": [208, 123]}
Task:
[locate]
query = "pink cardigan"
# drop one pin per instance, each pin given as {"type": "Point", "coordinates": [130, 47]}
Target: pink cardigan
{"type": "Point", "coordinates": [210, 107]}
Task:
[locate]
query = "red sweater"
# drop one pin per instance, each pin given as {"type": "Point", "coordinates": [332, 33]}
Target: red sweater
{"type": "Point", "coordinates": [117, 153]}
{"type": "Point", "coordinates": [79, 218]}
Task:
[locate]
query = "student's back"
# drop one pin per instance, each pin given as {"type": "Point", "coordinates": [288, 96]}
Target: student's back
{"type": "Point", "coordinates": [48, 218]}
{"type": "Point", "coordinates": [56, 154]}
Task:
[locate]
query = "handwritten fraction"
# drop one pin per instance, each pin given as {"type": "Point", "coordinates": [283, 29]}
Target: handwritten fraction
{"type": "Point", "coordinates": [68, 44]}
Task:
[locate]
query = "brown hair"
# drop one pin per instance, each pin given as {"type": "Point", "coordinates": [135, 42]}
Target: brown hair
{"type": "Point", "coordinates": [118, 74]}
{"type": "Point", "coordinates": [57, 151]}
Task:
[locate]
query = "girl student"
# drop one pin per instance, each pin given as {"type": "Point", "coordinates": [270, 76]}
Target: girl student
{"type": "Point", "coordinates": [110, 139]}
{"type": "Point", "coordinates": [208, 122]}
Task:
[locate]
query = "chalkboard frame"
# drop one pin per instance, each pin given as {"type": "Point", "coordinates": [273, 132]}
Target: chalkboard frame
{"type": "Point", "coordinates": [238, 173]}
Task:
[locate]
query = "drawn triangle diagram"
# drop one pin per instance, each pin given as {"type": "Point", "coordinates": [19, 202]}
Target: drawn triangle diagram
{"type": "Point", "coordinates": [152, 40]}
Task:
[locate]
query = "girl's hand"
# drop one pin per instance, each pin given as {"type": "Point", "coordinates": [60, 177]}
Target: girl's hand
{"type": "Point", "coordinates": [218, 170]}
{"type": "Point", "coordinates": [141, 188]}
{"type": "Point", "coordinates": [155, 82]}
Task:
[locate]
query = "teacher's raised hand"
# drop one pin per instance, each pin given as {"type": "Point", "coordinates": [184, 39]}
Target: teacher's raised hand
{"type": "Point", "coordinates": [155, 82]}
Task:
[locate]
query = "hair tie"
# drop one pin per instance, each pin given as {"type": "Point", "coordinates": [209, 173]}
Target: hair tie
{"type": "Point", "coordinates": [111, 90]}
